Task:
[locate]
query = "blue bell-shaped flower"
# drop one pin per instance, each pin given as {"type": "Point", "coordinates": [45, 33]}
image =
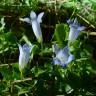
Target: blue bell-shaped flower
{"type": "Point", "coordinates": [63, 56]}
{"type": "Point", "coordinates": [75, 29]}
{"type": "Point", "coordinates": [35, 21]}
{"type": "Point", "coordinates": [24, 56]}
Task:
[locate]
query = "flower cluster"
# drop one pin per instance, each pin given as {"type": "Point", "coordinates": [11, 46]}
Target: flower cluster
{"type": "Point", "coordinates": [25, 50]}
{"type": "Point", "coordinates": [63, 56]}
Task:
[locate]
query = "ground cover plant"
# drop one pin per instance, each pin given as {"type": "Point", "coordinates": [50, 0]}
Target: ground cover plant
{"type": "Point", "coordinates": [47, 48]}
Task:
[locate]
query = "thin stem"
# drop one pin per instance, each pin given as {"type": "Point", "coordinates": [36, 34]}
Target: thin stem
{"type": "Point", "coordinates": [41, 46]}
{"type": "Point", "coordinates": [21, 75]}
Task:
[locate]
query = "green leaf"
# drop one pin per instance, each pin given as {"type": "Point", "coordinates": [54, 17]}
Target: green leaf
{"type": "Point", "coordinates": [68, 88]}
{"type": "Point", "coordinates": [9, 37]}
{"type": "Point", "coordinates": [61, 33]}
{"type": "Point", "coordinates": [37, 71]}
{"type": "Point", "coordinates": [69, 4]}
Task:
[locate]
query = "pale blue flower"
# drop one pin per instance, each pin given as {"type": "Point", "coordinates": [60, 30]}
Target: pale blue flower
{"type": "Point", "coordinates": [75, 29]}
{"type": "Point", "coordinates": [63, 56]}
{"type": "Point", "coordinates": [24, 56]}
{"type": "Point", "coordinates": [35, 21]}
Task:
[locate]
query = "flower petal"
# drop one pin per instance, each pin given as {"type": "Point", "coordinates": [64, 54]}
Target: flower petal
{"type": "Point", "coordinates": [63, 54]}
{"type": "Point", "coordinates": [73, 35]}
{"type": "Point", "coordinates": [27, 20]}
{"type": "Point", "coordinates": [37, 30]}
{"type": "Point", "coordinates": [56, 61]}
{"type": "Point", "coordinates": [33, 15]}
{"type": "Point", "coordinates": [75, 29]}
{"type": "Point", "coordinates": [39, 18]}
{"type": "Point", "coordinates": [81, 28]}
{"type": "Point", "coordinates": [76, 22]}
{"type": "Point", "coordinates": [56, 49]}
{"type": "Point", "coordinates": [69, 22]}
{"type": "Point", "coordinates": [71, 57]}
{"type": "Point", "coordinates": [26, 48]}
{"type": "Point", "coordinates": [20, 48]}
{"type": "Point", "coordinates": [66, 50]}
